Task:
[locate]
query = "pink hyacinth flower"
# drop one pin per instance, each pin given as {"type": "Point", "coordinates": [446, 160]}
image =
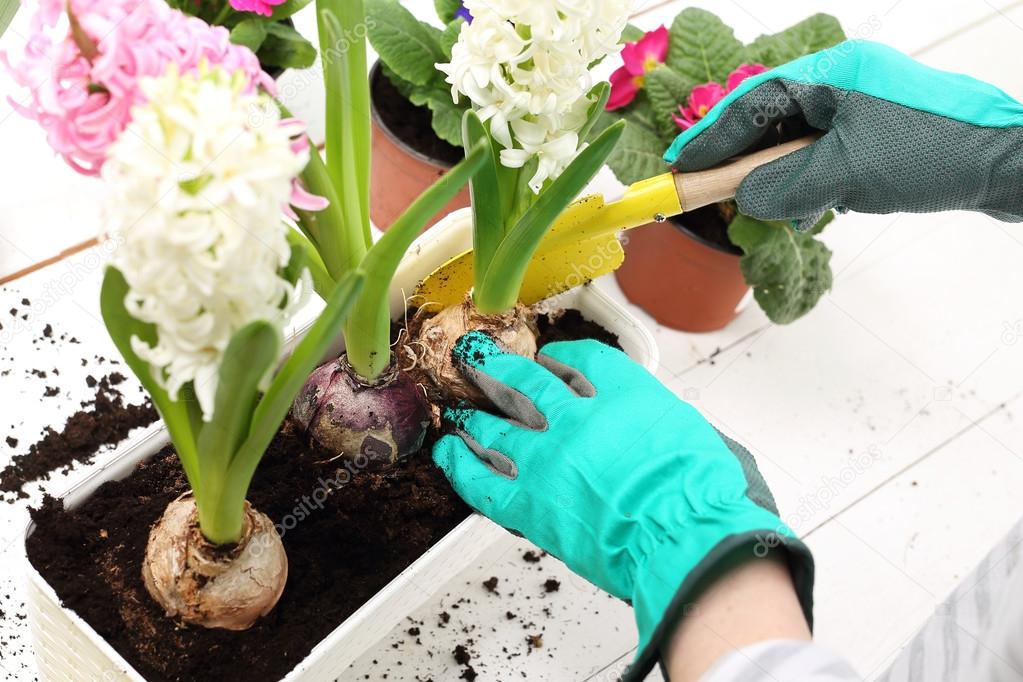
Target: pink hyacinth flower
{"type": "Point", "coordinates": [263, 7]}
{"type": "Point", "coordinates": [702, 99]}
{"type": "Point", "coordinates": [301, 198]}
{"type": "Point", "coordinates": [81, 89]}
{"type": "Point", "coordinates": [741, 74]}
{"type": "Point", "coordinates": [638, 59]}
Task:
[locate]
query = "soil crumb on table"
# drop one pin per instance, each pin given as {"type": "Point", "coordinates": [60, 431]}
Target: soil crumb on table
{"type": "Point", "coordinates": [103, 421]}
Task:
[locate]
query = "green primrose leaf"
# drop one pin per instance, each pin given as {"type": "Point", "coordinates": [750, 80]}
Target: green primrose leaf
{"type": "Point", "coordinates": [788, 270]}
{"type": "Point", "coordinates": [446, 115]}
{"type": "Point", "coordinates": [702, 48]}
{"type": "Point", "coordinates": [667, 89]}
{"type": "Point", "coordinates": [637, 155]}
{"type": "Point", "coordinates": [288, 8]}
{"type": "Point", "coordinates": [450, 36]}
{"type": "Point", "coordinates": [446, 9]}
{"type": "Point", "coordinates": [502, 281]}
{"type": "Point", "coordinates": [250, 33]}
{"type": "Point", "coordinates": [632, 33]}
{"type": "Point", "coordinates": [176, 414]}
{"type": "Point", "coordinates": [285, 47]}
{"type": "Point", "coordinates": [813, 34]}
{"type": "Point", "coordinates": [409, 47]}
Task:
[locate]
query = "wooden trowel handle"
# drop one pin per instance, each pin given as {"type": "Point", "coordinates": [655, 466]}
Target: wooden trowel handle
{"type": "Point", "coordinates": [706, 187]}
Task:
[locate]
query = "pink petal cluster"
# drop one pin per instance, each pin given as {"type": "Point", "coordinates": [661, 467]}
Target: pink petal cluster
{"type": "Point", "coordinates": [301, 197]}
{"type": "Point", "coordinates": [263, 7]}
{"type": "Point", "coordinates": [702, 98]}
{"type": "Point", "coordinates": [638, 59]}
{"type": "Point", "coordinates": [80, 85]}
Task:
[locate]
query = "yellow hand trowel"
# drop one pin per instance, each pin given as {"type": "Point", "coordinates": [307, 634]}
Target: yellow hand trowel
{"type": "Point", "coordinates": [583, 242]}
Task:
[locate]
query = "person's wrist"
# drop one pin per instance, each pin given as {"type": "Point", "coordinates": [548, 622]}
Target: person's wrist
{"type": "Point", "coordinates": [683, 564]}
{"type": "Point", "coordinates": [752, 600]}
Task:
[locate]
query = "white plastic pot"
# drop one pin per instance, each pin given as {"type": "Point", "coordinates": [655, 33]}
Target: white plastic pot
{"type": "Point", "coordinates": [67, 648]}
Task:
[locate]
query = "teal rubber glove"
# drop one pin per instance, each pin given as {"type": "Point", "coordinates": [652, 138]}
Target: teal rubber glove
{"type": "Point", "coordinates": [595, 461]}
{"type": "Point", "coordinates": [900, 136]}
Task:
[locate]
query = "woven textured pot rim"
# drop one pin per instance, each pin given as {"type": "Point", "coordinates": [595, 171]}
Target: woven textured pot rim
{"type": "Point", "coordinates": [375, 73]}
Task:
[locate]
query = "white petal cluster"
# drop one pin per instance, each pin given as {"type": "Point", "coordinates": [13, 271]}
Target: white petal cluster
{"type": "Point", "coordinates": [197, 183]}
{"type": "Point", "coordinates": [525, 67]}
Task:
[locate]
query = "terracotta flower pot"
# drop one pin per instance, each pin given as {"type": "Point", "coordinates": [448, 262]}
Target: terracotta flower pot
{"type": "Point", "coordinates": [683, 280]}
{"type": "Point", "coordinates": [400, 173]}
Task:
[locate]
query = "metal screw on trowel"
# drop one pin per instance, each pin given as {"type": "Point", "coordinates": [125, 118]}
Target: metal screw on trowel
{"type": "Point", "coordinates": [659, 217]}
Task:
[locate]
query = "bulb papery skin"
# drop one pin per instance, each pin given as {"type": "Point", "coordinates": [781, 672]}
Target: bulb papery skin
{"type": "Point", "coordinates": [434, 339]}
{"type": "Point", "coordinates": [373, 425]}
{"type": "Point", "coordinates": [199, 583]}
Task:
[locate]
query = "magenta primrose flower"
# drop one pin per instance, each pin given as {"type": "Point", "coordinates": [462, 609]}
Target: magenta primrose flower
{"type": "Point", "coordinates": [82, 65]}
{"type": "Point", "coordinates": [263, 7]}
{"type": "Point", "coordinates": [741, 74]}
{"type": "Point", "coordinates": [702, 98]}
{"type": "Point", "coordinates": [638, 59]}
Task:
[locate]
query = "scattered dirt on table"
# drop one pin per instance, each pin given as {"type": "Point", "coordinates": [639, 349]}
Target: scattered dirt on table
{"type": "Point", "coordinates": [490, 584]}
{"type": "Point", "coordinates": [461, 655]}
{"type": "Point", "coordinates": [532, 557]}
{"type": "Point", "coordinates": [551, 585]}
{"type": "Point", "coordinates": [103, 421]}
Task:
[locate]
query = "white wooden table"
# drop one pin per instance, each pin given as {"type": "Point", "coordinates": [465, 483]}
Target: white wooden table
{"type": "Point", "coordinates": [887, 421]}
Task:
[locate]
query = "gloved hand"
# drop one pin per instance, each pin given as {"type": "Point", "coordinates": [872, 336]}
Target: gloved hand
{"type": "Point", "coordinates": [598, 463]}
{"type": "Point", "coordinates": [900, 136]}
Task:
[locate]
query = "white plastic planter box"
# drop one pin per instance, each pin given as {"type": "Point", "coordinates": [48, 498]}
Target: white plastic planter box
{"type": "Point", "coordinates": [67, 648]}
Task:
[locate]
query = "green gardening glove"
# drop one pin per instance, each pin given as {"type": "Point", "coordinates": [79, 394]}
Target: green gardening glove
{"type": "Point", "coordinates": [595, 461]}
{"type": "Point", "coordinates": [900, 137]}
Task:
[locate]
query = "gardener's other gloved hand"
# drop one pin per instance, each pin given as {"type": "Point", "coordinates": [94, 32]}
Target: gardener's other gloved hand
{"type": "Point", "coordinates": [900, 136]}
{"type": "Point", "coordinates": [598, 463]}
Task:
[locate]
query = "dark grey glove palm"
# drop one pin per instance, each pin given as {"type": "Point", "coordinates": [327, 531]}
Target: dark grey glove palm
{"type": "Point", "coordinates": [900, 136]}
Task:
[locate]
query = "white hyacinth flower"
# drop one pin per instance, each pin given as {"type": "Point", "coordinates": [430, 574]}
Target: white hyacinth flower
{"type": "Point", "coordinates": [198, 180]}
{"type": "Point", "coordinates": [525, 66]}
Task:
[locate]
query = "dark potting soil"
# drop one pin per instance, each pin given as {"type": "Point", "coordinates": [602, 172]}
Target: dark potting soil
{"type": "Point", "coordinates": [411, 124]}
{"type": "Point", "coordinates": [344, 541]}
{"type": "Point", "coordinates": [346, 532]}
{"type": "Point", "coordinates": [710, 224]}
{"type": "Point", "coordinates": [569, 325]}
{"type": "Point", "coordinates": [104, 420]}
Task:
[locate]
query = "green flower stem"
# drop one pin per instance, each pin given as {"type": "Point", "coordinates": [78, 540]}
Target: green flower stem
{"type": "Point", "coordinates": [343, 56]}
{"type": "Point", "coordinates": [341, 249]}
{"type": "Point", "coordinates": [323, 283]}
{"type": "Point", "coordinates": [225, 11]}
{"type": "Point", "coordinates": [497, 289]}
{"type": "Point", "coordinates": [368, 328]}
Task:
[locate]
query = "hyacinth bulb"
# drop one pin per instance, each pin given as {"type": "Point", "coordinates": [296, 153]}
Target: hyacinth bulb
{"type": "Point", "coordinates": [200, 583]}
{"type": "Point", "coordinates": [515, 330]}
{"type": "Point", "coordinates": [374, 424]}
